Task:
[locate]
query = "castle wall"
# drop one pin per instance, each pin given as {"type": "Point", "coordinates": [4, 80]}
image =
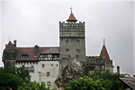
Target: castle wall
{"type": "Point", "coordinates": [42, 71]}
{"type": "Point", "coordinates": [110, 68]}
{"type": "Point", "coordinates": [9, 63]}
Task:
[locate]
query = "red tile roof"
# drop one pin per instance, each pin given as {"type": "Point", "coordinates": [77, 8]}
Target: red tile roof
{"type": "Point", "coordinates": [30, 52]}
{"type": "Point", "coordinates": [105, 54]}
{"type": "Point", "coordinates": [10, 46]}
{"type": "Point", "coordinates": [71, 18]}
{"type": "Point", "coordinates": [129, 82]}
{"type": "Point", "coordinates": [25, 51]}
{"type": "Point", "coordinates": [51, 50]}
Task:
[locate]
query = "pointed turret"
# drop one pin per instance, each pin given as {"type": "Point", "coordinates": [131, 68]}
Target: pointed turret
{"type": "Point", "coordinates": [105, 54]}
{"type": "Point", "coordinates": [10, 46]}
{"type": "Point", "coordinates": [9, 55]}
{"type": "Point", "coordinates": [71, 17]}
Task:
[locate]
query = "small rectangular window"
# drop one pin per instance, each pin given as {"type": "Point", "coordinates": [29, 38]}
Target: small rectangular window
{"type": "Point", "coordinates": [56, 65]}
{"type": "Point", "coordinates": [24, 56]}
{"type": "Point", "coordinates": [77, 56]}
{"type": "Point", "coordinates": [49, 56]}
{"type": "Point", "coordinates": [48, 83]}
{"type": "Point", "coordinates": [78, 40]}
{"type": "Point", "coordinates": [67, 41]}
{"type": "Point", "coordinates": [43, 56]}
{"type": "Point", "coordinates": [55, 56]}
{"type": "Point", "coordinates": [67, 49]}
{"type": "Point", "coordinates": [47, 73]}
{"type": "Point", "coordinates": [43, 65]}
{"type": "Point", "coordinates": [51, 64]}
{"type": "Point", "coordinates": [78, 50]}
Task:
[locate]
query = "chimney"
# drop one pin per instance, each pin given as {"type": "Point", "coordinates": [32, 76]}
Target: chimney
{"type": "Point", "coordinates": [36, 50]}
{"type": "Point", "coordinates": [15, 43]}
{"type": "Point", "coordinates": [111, 62]}
{"type": "Point", "coordinates": [118, 69]}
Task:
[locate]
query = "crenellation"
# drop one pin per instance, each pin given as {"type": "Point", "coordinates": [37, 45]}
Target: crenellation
{"type": "Point", "coordinates": [72, 24]}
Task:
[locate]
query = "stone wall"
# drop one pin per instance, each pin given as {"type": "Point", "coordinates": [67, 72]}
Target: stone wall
{"type": "Point", "coordinates": [44, 71]}
{"type": "Point", "coordinates": [72, 40]}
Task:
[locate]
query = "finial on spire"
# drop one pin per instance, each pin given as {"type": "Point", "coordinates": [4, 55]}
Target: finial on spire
{"type": "Point", "coordinates": [71, 9]}
{"type": "Point", "coordinates": [104, 41]}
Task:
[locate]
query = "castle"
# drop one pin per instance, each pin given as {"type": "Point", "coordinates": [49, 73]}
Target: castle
{"type": "Point", "coordinates": [46, 63]}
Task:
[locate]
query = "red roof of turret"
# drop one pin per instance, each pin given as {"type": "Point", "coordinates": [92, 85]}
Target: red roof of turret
{"type": "Point", "coordinates": [71, 18]}
{"type": "Point", "coordinates": [10, 46]}
{"type": "Point", "coordinates": [105, 54]}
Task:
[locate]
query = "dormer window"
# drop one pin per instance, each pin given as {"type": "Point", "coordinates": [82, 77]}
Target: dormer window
{"type": "Point", "coordinates": [24, 57]}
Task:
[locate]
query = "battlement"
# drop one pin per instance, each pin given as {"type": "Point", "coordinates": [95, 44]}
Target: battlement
{"type": "Point", "coordinates": [72, 29]}
{"type": "Point", "coordinates": [64, 24]}
{"type": "Point", "coordinates": [91, 57]}
{"type": "Point", "coordinates": [96, 60]}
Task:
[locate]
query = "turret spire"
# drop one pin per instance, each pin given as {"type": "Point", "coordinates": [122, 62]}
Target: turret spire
{"type": "Point", "coordinates": [104, 41]}
{"type": "Point", "coordinates": [104, 53]}
{"type": "Point", "coordinates": [71, 17]}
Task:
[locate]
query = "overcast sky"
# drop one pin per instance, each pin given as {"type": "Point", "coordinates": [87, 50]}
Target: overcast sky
{"type": "Point", "coordinates": [36, 22]}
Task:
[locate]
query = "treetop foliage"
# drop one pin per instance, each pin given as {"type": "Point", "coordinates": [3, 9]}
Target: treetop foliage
{"type": "Point", "coordinates": [84, 83]}
{"type": "Point", "coordinates": [18, 79]}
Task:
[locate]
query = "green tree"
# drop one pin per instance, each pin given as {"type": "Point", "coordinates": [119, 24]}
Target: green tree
{"type": "Point", "coordinates": [8, 80]}
{"type": "Point", "coordinates": [112, 79]}
{"type": "Point", "coordinates": [107, 84]}
{"type": "Point", "coordinates": [33, 86]}
{"type": "Point", "coordinates": [84, 83]}
{"type": "Point", "coordinates": [86, 69]}
{"type": "Point", "coordinates": [23, 73]}
{"type": "Point", "coordinates": [20, 72]}
{"type": "Point", "coordinates": [12, 77]}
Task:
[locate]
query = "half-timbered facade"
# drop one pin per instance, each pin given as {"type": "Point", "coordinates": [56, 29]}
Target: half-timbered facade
{"type": "Point", "coordinates": [42, 62]}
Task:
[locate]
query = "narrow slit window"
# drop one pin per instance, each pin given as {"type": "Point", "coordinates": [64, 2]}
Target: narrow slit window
{"type": "Point", "coordinates": [47, 73]}
{"type": "Point", "coordinates": [43, 65]}
{"type": "Point", "coordinates": [67, 41]}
